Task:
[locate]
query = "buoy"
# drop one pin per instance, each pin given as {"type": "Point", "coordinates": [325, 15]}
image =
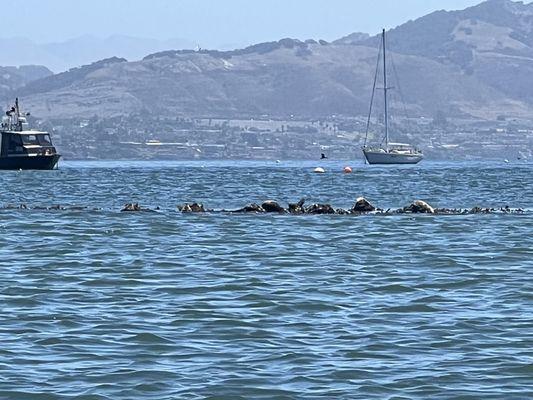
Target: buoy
{"type": "Point", "coordinates": [506, 161]}
{"type": "Point", "coordinates": [319, 170]}
{"type": "Point", "coordinates": [278, 161]}
{"type": "Point", "coordinates": [347, 170]}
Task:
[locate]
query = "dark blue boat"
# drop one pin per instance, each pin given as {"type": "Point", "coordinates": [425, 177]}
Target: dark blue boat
{"type": "Point", "coordinates": [22, 148]}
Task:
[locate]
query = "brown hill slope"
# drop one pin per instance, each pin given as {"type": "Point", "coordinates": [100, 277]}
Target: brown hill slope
{"type": "Point", "coordinates": [304, 79]}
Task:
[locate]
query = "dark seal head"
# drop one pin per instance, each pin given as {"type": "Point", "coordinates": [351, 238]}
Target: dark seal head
{"type": "Point", "coordinates": [297, 208]}
{"type": "Point", "coordinates": [362, 205]}
{"type": "Point", "coordinates": [272, 206]}
{"type": "Point", "coordinates": [419, 207]}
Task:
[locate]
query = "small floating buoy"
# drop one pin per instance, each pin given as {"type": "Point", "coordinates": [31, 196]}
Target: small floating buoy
{"type": "Point", "coordinates": [278, 161]}
{"type": "Point", "coordinates": [319, 170]}
{"type": "Point", "coordinates": [506, 161]}
{"type": "Point", "coordinates": [347, 170]}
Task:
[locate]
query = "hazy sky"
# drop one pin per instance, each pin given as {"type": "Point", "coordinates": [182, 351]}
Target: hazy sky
{"type": "Point", "coordinates": [211, 23]}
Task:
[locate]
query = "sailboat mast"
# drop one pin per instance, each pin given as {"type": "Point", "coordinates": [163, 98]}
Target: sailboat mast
{"type": "Point", "coordinates": [385, 88]}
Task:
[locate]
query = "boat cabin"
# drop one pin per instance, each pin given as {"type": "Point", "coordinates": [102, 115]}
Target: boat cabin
{"type": "Point", "coordinates": [13, 143]}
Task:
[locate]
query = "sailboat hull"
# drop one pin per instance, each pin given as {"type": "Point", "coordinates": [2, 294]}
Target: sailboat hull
{"type": "Point", "coordinates": [383, 157]}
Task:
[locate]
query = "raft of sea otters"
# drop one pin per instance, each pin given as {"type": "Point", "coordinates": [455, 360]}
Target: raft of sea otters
{"type": "Point", "coordinates": [361, 206]}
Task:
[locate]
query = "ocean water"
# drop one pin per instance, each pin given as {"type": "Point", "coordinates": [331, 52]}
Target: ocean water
{"type": "Point", "coordinates": [99, 304]}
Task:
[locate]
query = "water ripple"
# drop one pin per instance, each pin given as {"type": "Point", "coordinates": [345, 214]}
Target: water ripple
{"type": "Point", "coordinates": [104, 305]}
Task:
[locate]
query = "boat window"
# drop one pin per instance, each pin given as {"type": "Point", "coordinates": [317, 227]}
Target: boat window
{"type": "Point", "coordinates": [44, 140]}
{"type": "Point", "coordinates": [30, 139]}
{"type": "Point", "coordinates": [15, 144]}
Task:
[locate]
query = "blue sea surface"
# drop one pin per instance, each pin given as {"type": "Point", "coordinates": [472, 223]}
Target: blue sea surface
{"type": "Point", "coordinates": [99, 304]}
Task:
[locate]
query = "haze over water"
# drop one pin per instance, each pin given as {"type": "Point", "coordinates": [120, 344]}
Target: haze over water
{"type": "Point", "coordinates": [109, 305]}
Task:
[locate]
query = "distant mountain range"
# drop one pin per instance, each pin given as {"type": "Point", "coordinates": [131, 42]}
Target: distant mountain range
{"type": "Point", "coordinates": [12, 78]}
{"type": "Point", "coordinates": [62, 56]}
{"type": "Point", "coordinates": [475, 62]}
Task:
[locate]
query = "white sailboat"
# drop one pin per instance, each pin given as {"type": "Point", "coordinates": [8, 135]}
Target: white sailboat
{"type": "Point", "coordinates": [389, 153]}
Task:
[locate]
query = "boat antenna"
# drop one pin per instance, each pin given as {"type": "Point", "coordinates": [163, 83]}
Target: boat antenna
{"type": "Point", "coordinates": [385, 89]}
{"type": "Point", "coordinates": [373, 92]}
{"type": "Point", "coordinates": [17, 106]}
